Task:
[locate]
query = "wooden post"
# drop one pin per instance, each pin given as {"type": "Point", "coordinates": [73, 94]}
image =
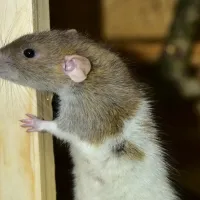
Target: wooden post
{"type": "Point", "coordinates": [26, 160]}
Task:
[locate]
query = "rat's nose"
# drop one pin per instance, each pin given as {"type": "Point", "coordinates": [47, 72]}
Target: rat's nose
{"type": "Point", "coordinates": [8, 71]}
{"type": "Point", "coordinates": [4, 60]}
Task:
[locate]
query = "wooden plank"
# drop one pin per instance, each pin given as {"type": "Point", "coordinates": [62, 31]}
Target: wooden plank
{"type": "Point", "coordinates": [26, 160]}
{"type": "Point", "coordinates": [136, 19]}
{"type": "Point", "coordinates": [151, 52]}
{"type": "Point", "coordinates": [126, 24]}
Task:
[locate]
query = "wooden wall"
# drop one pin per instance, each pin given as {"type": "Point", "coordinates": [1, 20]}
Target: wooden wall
{"type": "Point", "coordinates": [139, 26]}
{"type": "Point", "coordinates": [26, 160]}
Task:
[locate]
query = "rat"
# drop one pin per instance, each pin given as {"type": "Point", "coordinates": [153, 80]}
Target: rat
{"type": "Point", "coordinates": [104, 114]}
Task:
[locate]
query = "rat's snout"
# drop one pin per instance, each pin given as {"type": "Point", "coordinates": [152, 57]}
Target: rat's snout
{"type": "Point", "coordinates": [4, 62]}
{"type": "Point", "coordinates": [7, 71]}
{"type": "Point", "coordinates": [3, 58]}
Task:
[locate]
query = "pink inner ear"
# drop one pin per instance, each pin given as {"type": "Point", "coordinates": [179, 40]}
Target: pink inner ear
{"type": "Point", "coordinates": [69, 66]}
{"type": "Point", "coordinates": [76, 67]}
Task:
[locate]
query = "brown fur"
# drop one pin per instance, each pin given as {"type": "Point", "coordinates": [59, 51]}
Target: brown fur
{"type": "Point", "coordinates": [128, 150]}
{"type": "Point", "coordinates": [94, 109]}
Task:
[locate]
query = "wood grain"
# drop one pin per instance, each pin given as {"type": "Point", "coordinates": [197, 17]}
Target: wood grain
{"type": "Point", "coordinates": [150, 52]}
{"type": "Point", "coordinates": [26, 160]}
{"type": "Point", "coordinates": [133, 18]}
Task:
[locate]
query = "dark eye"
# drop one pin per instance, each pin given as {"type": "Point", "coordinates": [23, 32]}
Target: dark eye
{"type": "Point", "coordinates": [29, 53]}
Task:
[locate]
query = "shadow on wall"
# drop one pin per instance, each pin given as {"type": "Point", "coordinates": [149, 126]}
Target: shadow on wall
{"type": "Point", "coordinates": [175, 116]}
{"type": "Point", "coordinates": [81, 15]}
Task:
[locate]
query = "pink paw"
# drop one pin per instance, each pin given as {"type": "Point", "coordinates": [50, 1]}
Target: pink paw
{"type": "Point", "coordinates": [33, 123]}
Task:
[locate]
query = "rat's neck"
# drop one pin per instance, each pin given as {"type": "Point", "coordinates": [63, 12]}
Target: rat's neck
{"type": "Point", "coordinates": [97, 108]}
{"type": "Point", "coordinates": [95, 115]}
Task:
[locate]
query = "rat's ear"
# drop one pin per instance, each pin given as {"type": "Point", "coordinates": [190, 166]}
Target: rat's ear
{"type": "Point", "coordinates": [76, 67]}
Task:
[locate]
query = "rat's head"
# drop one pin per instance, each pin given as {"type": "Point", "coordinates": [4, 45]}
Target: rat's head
{"type": "Point", "coordinates": [102, 89]}
{"type": "Point", "coordinates": [44, 61]}
{"type": "Point", "coordinates": [52, 60]}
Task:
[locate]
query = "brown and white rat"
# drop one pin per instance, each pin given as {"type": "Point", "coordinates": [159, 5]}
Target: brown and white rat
{"type": "Point", "coordinates": [104, 115]}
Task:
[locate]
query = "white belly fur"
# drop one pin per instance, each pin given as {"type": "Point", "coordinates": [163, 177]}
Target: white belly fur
{"type": "Point", "coordinates": [101, 176]}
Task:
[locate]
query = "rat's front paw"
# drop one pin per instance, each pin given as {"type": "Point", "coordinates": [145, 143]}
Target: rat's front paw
{"type": "Point", "coordinates": [33, 123]}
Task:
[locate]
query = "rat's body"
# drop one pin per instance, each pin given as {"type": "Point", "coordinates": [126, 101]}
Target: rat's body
{"type": "Point", "coordinates": [103, 115]}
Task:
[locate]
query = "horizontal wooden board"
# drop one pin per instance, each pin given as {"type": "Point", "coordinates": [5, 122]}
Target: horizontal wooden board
{"type": "Point", "coordinates": [133, 18]}
{"type": "Point", "coordinates": [151, 52]}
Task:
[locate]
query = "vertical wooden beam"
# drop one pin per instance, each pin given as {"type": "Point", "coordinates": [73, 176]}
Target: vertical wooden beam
{"type": "Point", "coordinates": [26, 160]}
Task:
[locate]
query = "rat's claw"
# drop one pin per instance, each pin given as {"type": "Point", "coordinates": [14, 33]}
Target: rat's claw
{"type": "Point", "coordinates": [25, 125]}
{"type": "Point", "coordinates": [33, 123]}
{"type": "Point", "coordinates": [27, 121]}
{"type": "Point", "coordinates": [31, 116]}
{"type": "Point", "coordinates": [31, 130]}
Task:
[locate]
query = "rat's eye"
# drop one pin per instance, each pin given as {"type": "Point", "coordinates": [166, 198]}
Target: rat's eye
{"type": "Point", "coordinates": [29, 53]}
